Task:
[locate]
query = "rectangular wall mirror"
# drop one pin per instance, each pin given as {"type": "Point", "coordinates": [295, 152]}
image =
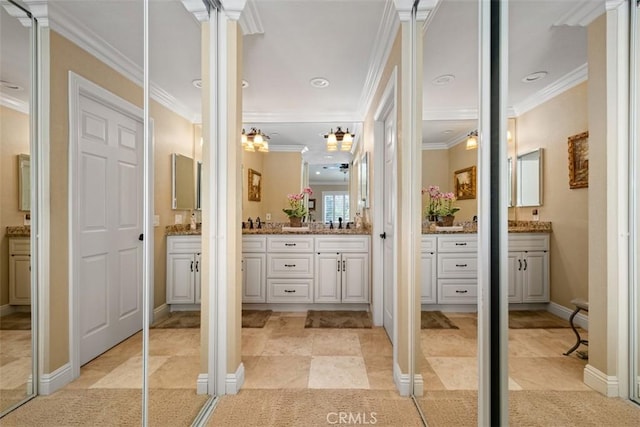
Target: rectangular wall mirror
{"type": "Point", "coordinates": [510, 181]}
{"type": "Point", "coordinates": [529, 178]}
{"type": "Point", "coordinates": [183, 183]}
{"type": "Point", "coordinates": [24, 182]}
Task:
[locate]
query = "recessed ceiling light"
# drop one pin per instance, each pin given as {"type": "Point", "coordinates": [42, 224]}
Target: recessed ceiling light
{"type": "Point", "coordinates": [444, 79]}
{"type": "Point", "coordinates": [328, 157]}
{"type": "Point", "coordinates": [538, 75]}
{"type": "Point", "coordinates": [10, 86]}
{"type": "Point", "coordinates": [274, 133]}
{"type": "Point", "coordinates": [317, 172]}
{"type": "Point", "coordinates": [197, 83]}
{"type": "Point", "coordinates": [245, 84]}
{"type": "Point", "coordinates": [448, 131]}
{"type": "Point", "coordinates": [319, 82]}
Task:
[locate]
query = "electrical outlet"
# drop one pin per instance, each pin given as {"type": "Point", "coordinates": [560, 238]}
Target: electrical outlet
{"type": "Point", "coordinates": [268, 216]}
{"type": "Point", "coordinates": [156, 220]}
{"type": "Point", "coordinates": [178, 219]}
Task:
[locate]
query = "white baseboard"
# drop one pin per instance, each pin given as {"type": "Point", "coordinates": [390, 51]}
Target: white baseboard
{"type": "Point", "coordinates": [6, 309]}
{"type": "Point", "coordinates": [234, 381]}
{"type": "Point", "coordinates": [300, 307]}
{"type": "Point", "coordinates": [403, 384]}
{"type": "Point", "coordinates": [581, 319]}
{"type": "Point", "coordinates": [202, 384]}
{"type": "Point", "coordinates": [603, 384]}
{"type": "Point", "coordinates": [418, 385]}
{"type": "Point", "coordinates": [161, 312]}
{"type": "Point", "coordinates": [184, 307]}
{"type": "Point", "coordinates": [50, 383]}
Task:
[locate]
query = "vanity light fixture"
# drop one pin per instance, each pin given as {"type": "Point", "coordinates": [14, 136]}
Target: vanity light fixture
{"type": "Point", "coordinates": [255, 140]}
{"type": "Point", "coordinates": [339, 136]}
{"type": "Point", "coordinates": [472, 140]}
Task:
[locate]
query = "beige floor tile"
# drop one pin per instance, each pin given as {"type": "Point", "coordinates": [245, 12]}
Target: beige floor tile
{"type": "Point", "coordinates": [278, 372]}
{"type": "Point", "coordinates": [178, 372]}
{"type": "Point", "coordinates": [253, 345]}
{"type": "Point", "coordinates": [97, 369]}
{"type": "Point", "coordinates": [336, 342]}
{"type": "Point", "coordinates": [129, 374]}
{"type": "Point", "coordinates": [131, 347]}
{"type": "Point", "coordinates": [456, 373]}
{"type": "Point", "coordinates": [430, 379]}
{"type": "Point", "coordinates": [375, 342]}
{"type": "Point", "coordinates": [15, 373]}
{"type": "Point", "coordinates": [544, 373]}
{"type": "Point", "coordinates": [338, 372]}
{"type": "Point", "coordinates": [380, 372]}
{"type": "Point", "coordinates": [287, 345]}
{"type": "Point", "coordinates": [174, 342]}
{"type": "Point", "coordinates": [447, 343]}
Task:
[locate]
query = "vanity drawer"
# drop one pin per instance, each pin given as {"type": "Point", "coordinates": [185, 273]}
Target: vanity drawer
{"type": "Point", "coordinates": [457, 265]}
{"type": "Point", "coordinates": [289, 290]}
{"type": "Point", "coordinates": [184, 244]}
{"type": "Point", "coordinates": [428, 244]}
{"type": "Point", "coordinates": [254, 244]}
{"type": "Point", "coordinates": [468, 243]}
{"type": "Point", "coordinates": [287, 265]}
{"type": "Point", "coordinates": [289, 244]}
{"type": "Point", "coordinates": [528, 242]}
{"type": "Point", "coordinates": [455, 291]}
{"type": "Point", "coordinates": [19, 246]}
{"type": "Point", "coordinates": [342, 244]}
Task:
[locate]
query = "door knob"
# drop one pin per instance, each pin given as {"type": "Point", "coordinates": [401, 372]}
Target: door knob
{"type": "Point", "coordinates": [141, 237]}
{"type": "Point", "coordinates": [383, 235]}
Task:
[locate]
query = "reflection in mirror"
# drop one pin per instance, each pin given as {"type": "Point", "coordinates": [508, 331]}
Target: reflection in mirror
{"type": "Point", "coordinates": [330, 184]}
{"type": "Point", "coordinates": [183, 192]}
{"type": "Point", "coordinates": [529, 178]}
{"type": "Point", "coordinates": [24, 182]}
{"type": "Point", "coordinates": [17, 343]}
{"type": "Point", "coordinates": [510, 181]}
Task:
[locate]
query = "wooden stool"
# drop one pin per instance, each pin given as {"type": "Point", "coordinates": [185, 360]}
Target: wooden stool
{"type": "Point", "coordinates": [580, 305]}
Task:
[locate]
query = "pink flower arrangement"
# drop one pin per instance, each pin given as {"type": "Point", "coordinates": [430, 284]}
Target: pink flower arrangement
{"type": "Point", "coordinates": [296, 203]}
{"type": "Point", "coordinates": [439, 204]}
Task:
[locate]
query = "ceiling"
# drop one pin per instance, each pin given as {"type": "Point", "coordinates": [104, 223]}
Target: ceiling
{"type": "Point", "coordinates": [289, 42]}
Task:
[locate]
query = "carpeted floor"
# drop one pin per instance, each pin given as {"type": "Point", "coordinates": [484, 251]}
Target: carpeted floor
{"type": "Point", "coordinates": [338, 319]}
{"type": "Point", "coordinates": [191, 319]}
{"type": "Point", "coordinates": [532, 408]}
{"type": "Point", "coordinates": [524, 319]}
{"type": "Point", "coordinates": [315, 408]}
{"type": "Point", "coordinates": [16, 321]}
{"type": "Point", "coordinates": [435, 320]}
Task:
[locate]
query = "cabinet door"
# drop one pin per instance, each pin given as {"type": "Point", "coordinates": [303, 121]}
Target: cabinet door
{"type": "Point", "coordinates": [180, 278]}
{"type": "Point", "coordinates": [196, 277]}
{"type": "Point", "coordinates": [327, 278]}
{"type": "Point", "coordinates": [514, 277]}
{"type": "Point", "coordinates": [254, 284]}
{"type": "Point", "coordinates": [19, 279]}
{"type": "Point", "coordinates": [535, 277]}
{"type": "Point", "coordinates": [428, 278]}
{"type": "Point", "coordinates": [355, 277]}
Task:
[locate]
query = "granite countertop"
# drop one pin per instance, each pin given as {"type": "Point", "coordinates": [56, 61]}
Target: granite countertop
{"type": "Point", "coordinates": [271, 228]}
{"type": "Point", "coordinates": [182, 230]}
{"type": "Point", "coordinates": [19, 231]}
{"type": "Point", "coordinates": [514, 227]}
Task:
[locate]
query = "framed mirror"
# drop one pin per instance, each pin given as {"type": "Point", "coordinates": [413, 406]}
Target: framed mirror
{"type": "Point", "coordinates": [24, 182]}
{"type": "Point", "coordinates": [529, 178]}
{"type": "Point", "coordinates": [510, 181]}
{"type": "Point", "coordinates": [183, 186]}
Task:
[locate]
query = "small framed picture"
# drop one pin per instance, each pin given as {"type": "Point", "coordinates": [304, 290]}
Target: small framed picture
{"type": "Point", "coordinates": [465, 183]}
{"type": "Point", "coordinates": [255, 186]}
{"type": "Point", "coordinates": [579, 160]}
{"type": "Point", "coordinates": [312, 204]}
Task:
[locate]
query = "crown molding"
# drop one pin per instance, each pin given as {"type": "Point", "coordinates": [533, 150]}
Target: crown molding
{"type": "Point", "coordinates": [614, 4]}
{"type": "Point", "coordinates": [197, 8]}
{"type": "Point", "coordinates": [563, 84]}
{"type": "Point", "coordinates": [16, 12]}
{"type": "Point", "coordinates": [14, 103]}
{"type": "Point", "coordinates": [450, 114]}
{"type": "Point", "coordinates": [434, 146]}
{"type": "Point", "coordinates": [233, 8]}
{"type": "Point", "coordinates": [581, 15]}
{"type": "Point", "coordinates": [84, 38]}
{"type": "Point", "coordinates": [250, 21]}
{"type": "Point", "coordinates": [40, 10]}
{"type": "Point", "coordinates": [286, 148]}
{"type": "Point", "coordinates": [249, 117]}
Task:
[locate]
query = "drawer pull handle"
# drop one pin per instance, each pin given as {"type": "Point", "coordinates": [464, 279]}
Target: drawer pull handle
{"type": "Point", "coordinates": [289, 265]}
{"type": "Point", "coordinates": [289, 244]}
{"type": "Point", "coordinates": [525, 264]}
{"type": "Point", "coordinates": [458, 291]}
{"type": "Point", "coordinates": [192, 266]}
{"type": "Point", "coordinates": [289, 291]}
{"type": "Point", "coordinates": [461, 244]}
{"type": "Point", "coordinates": [461, 265]}
{"type": "Point", "coordinates": [519, 265]}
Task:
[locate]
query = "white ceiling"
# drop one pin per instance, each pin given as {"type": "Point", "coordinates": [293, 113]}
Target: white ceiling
{"type": "Point", "coordinates": [341, 40]}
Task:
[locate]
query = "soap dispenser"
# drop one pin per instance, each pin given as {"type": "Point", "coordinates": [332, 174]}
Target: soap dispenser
{"type": "Point", "coordinates": [193, 221]}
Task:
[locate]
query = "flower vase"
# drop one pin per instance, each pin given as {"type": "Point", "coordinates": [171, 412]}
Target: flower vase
{"type": "Point", "coordinates": [445, 221]}
{"type": "Point", "coordinates": [295, 221]}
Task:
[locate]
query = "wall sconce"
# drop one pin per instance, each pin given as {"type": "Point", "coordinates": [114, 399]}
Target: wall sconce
{"type": "Point", "coordinates": [255, 140]}
{"type": "Point", "coordinates": [344, 138]}
{"type": "Point", "coordinates": [472, 140]}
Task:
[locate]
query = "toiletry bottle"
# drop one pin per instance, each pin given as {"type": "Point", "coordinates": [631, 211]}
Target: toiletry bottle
{"type": "Point", "coordinates": [193, 221]}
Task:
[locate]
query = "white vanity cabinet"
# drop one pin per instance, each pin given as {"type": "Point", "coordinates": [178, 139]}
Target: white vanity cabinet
{"type": "Point", "coordinates": [183, 269]}
{"type": "Point", "coordinates": [342, 269]}
{"type": "Point", "coordinates": [429, 276]}
{"type": "Point", "coordinates": [19, 271]}
{"type": "Point", "coordinates": [289, 269]}
{"type": "Point", "coordinates": [528, 271]}
{"type": "Point", "coordinates": [254, 261]}
{"type": "Point", "coordinates": [457, 269]}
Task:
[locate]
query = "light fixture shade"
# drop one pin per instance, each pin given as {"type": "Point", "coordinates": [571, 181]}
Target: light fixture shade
{"type": "Point", "coordinates": [332, 145]}
{"type": "Point", "coordinates": [472, 142]}
{"type": "Point", "coordinates": [255, 140]}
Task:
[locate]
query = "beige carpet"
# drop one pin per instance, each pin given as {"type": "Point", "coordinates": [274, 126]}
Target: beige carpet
{"type": "Point", "coordinates": [533, 408]}
{"type": "Point", "coordinates": [255, 318]}
{"type": "Point", "coordinates": [435, 320]}
{"type": "Point", "coordinates": [16, 321]}
{"type": "Point", "coordinates": [338, 319]}
{"type": "Point", "coordinates": [521, 319]}
{"type": "Point", "coordinates": [107, 407]}
{"type": "Point", "coordinates": [311, 408]}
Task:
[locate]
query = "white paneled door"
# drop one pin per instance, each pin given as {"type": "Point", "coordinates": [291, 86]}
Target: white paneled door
{"type": "Point", "coordinates": [109, 224]}
{"type": "Point", "coordinates": [388, 201]}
